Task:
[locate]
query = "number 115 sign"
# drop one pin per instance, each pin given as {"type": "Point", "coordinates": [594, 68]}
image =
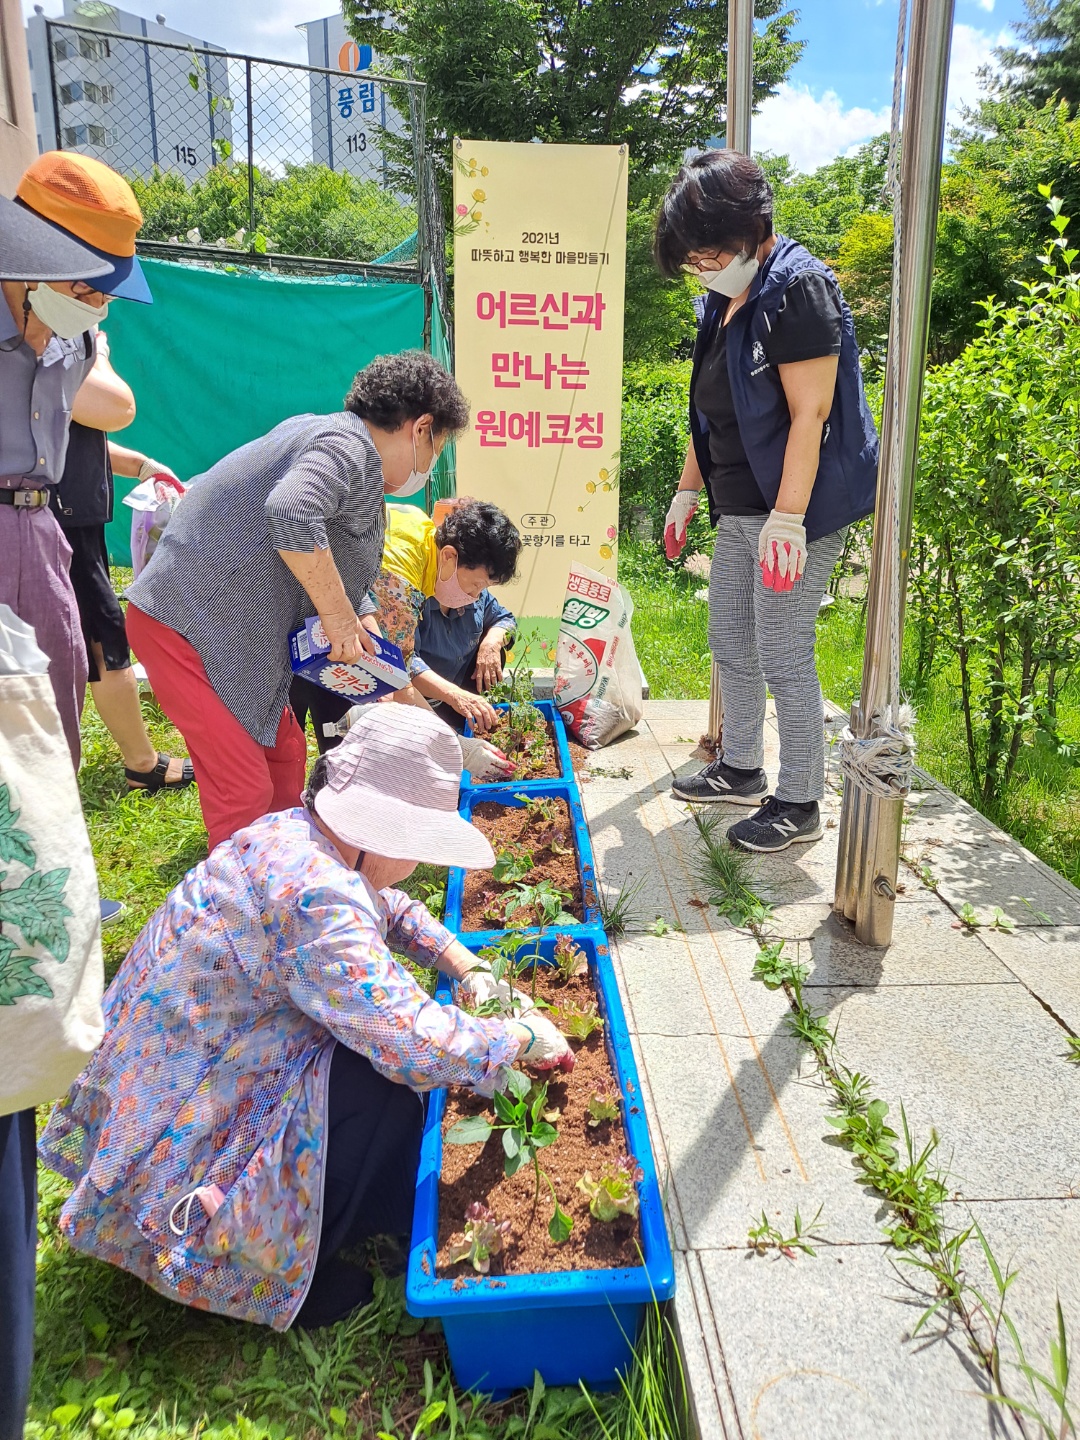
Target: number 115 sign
{"type": "Point", "coordinates": [539, 274]}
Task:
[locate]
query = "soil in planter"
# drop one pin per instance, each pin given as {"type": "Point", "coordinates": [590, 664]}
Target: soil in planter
{"type": "Point", "coordinates": [513, 828]}
{"type": "Point", "coordinates": [540, 762]}
{"type": "Point", "coordinates": [470, 1173]}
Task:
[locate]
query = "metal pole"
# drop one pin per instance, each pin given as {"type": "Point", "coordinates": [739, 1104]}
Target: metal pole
{"type": "Point", "coordinates": [250, 153]}
{"type": "Point", "coordinates": [870, 826]}
{"type": "Point", "coordinates": [740, 105]}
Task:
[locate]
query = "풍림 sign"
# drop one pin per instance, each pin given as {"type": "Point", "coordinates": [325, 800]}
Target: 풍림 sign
{"type": "Point", "coordinates": [539, 272]}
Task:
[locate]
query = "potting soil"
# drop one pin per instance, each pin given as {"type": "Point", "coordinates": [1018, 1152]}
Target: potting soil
{"type": "Point", "coordinates": [512, 828]}
{"type": "Point", "coordinates": [470, 1173]}
{"type": "Point", "coordinates": [547, 770]}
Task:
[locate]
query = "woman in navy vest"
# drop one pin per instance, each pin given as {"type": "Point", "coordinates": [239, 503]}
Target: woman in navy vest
{"type": "Point", "coordinates": [783, 442]}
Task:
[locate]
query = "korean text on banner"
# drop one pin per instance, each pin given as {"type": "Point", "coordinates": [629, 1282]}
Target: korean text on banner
{"type": "Point", "coordinates": [539, 275]}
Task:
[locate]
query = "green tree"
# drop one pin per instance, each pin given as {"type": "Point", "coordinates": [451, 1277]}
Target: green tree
{"type": "Point", "coordinates": [1046, 64]}
{"type": "Point", "coordinates": [652, 75]}
{"type": "Point", "coordinates": [818, 209]}
{"type": "Point", "coordinates": [997, 519]}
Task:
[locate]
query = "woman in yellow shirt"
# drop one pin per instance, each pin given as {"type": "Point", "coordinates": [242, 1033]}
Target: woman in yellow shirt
{"type": "Point", "coordinates": [475, 546]}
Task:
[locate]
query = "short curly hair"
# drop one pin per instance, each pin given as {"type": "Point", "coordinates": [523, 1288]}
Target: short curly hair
{"type": "Point", "coordinates": [720, 200]}
{"type": "Point", "coordinates": [396, 389]}
{"type": "Point", "coordinates": [482, 535]}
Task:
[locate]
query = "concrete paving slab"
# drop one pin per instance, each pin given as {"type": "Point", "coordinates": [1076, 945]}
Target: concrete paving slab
{"type": "Point", "coordinates": [744, 1131]}
{"type": "Point", "coordinates": [817, 1347]}
{"type": "Point", "coordinates": [928, 948]}
{"type": "Point", "coordinates": [976, 863]}
{"type": "Point", "coordinates": [1047, 961]}
{"type": "Point", "coordinates": [1040, 1240]}
{"type": "Point", "coordinates": [980, 1063]}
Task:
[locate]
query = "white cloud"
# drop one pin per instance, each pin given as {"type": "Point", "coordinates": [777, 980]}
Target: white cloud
{"type": "Point", "coordinates": [813, 129]}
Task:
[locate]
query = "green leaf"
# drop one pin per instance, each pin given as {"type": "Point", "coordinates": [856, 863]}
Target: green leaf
{"type": "Point", "coordinates": [473, 1130]}
{"type": "Point", "coordinates": [505, 1109]}
{"type": "Point", "coordinates": [66, 1415]}
{"type": "Point", "coordinates": [543, 1134]}
{"type": "Point", "coordinates": [560, 1225]}
{"type": "Point", "coordinates": [96, 1322]}
{"type": "Point", "coordinates": [338, 1416]}
{"type": "Point", "coordinates": [17, 976]}
{"type": "Point", "coordinates": [511, 1142]}
{"type": "Point", "coordinates": [518, 1084]}
{"type": "Point", "coordinates": [37, 908]}
{"type": "Point", "coordinates": [14, 843]}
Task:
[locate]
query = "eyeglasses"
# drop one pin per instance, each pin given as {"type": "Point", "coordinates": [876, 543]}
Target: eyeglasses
{"type": "Point", "coordinates": [81, 289]}
{"type": "Point", "coordinates": [695, 267]}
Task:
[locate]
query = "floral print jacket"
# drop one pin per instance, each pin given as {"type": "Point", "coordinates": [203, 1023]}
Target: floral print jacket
{"type": "Point", "coordinates": [194, 1138]}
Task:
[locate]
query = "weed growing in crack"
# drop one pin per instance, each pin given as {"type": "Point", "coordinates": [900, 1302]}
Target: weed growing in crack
{"type": "Point", "coordinates": [617, 913]}
{"type": "Point", "coordinates": [727, 875]}
{"type": "Point", "coordinates": [767, 1236]}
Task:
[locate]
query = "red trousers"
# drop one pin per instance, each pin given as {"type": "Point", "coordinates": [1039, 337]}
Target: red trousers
{"type": "Point", "coordinates": [239, 779]}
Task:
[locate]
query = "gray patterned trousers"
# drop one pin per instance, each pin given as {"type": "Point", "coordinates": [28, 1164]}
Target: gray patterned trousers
{"type": "Point", "coordinates": [760, 639]}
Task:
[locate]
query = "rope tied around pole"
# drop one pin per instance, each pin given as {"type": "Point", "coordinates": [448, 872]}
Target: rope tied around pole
{"type": "Point", "coordinates": [882, 763]}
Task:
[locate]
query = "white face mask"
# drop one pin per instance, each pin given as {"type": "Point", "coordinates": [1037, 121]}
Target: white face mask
{"type": "Point", "coordinates": [63, 314]}
{"type": "Point", "coordinates": [733, 279]}
{"type": "Point", "coordinates": [417, 479]}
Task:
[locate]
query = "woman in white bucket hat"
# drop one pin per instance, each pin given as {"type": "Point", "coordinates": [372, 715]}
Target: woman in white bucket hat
{"type": "Point", "coordinates": [253, 1110]}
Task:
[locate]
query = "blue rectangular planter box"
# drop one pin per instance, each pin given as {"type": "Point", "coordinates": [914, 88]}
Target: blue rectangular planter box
{"type": "Point", "coordinates": [506, 795]}
{"type": "Point", "coordinates": [566, 766]}
{"type": "Point", "coordinates": [577, 1325]}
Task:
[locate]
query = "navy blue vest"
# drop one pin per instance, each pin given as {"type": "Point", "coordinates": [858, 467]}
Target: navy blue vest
{"type": "Point", "coordinates": [847, 473]}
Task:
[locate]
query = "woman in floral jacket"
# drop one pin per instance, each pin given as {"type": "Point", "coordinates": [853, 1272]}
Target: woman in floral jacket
{"type": "Point", "coordinates": [254, 1107]}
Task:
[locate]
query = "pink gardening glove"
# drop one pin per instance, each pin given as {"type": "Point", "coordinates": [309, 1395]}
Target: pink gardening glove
{"type": "Point", "coordinates": [683, 504]}
{"type": "Point", "coordinates": [782, 551]}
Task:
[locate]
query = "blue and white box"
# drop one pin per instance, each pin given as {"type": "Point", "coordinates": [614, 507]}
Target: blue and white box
{"type": "Point", "coordinates": [368, 678]}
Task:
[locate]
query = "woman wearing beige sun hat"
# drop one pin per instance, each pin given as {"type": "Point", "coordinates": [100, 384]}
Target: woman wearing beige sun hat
{"type": "Point", "coordinates": [256, 1105]}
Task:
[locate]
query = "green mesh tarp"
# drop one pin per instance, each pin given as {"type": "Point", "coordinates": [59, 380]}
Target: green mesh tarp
{"type": "Point", "coordinates": [221, 358]}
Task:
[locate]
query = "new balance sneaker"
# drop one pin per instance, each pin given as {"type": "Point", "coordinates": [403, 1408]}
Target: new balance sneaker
{"type": "Point", "coordinates": [111, 910]}
{"type": "Point", "coordinates": [720, 782]}
{"type": "Point", "coordinates": [777, 825]}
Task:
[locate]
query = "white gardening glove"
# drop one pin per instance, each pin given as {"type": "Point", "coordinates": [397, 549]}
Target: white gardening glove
{"type": "Point", "coordinates": [150, 469]}
{"type": "Point", "coordinates": [683, 504]}
{"type": "Point", "coordinates": [482, 760]}
{"type": "Point", "coordinates": [483, 987]}
{"type": "Point", "coordinates": [546, 1048]}
{"type": "Point", "coordinates": [782, 550]}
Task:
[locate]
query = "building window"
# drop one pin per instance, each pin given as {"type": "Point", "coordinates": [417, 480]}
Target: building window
{"type": "Point", "coordinates": [96, 135]}
{"type": "Point", "coordinates": [86, 90]}
{"type": "Point", "coordinates": [84, 48]}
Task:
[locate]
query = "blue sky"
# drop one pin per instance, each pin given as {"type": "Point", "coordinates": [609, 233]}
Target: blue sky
{"type": "Point", "coordinates": [838, 95]}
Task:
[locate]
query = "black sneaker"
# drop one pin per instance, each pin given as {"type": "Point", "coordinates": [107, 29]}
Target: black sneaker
{"type": "Point", "coordinates": [777, 825]}
{"type": "Point", "coordinates": [719, 782]}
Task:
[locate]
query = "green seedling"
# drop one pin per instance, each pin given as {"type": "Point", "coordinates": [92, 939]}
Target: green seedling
{"type": "Point", "coordinates": [660, 927]}
{"type": "Point", "coordinates": [539, 807]}
{"type": "Point", "coordinates": [773, 968]}
{"type": "Point", "coordinates": [1072, 1045]}
{"type": "Point", "coordinates": [618, 913]}
{"type": "Point", "coordinates": [484, 1236]}
{"type": "Point", "coordinates": [570, 962]}
{"type": "Point", "coordinates": [511, 866]}
{"type": "Point", "coordinates": [766, 1236]}
{"type": "Point", "coordinates": [603, 1107]}
{"type": "Point", "coordinates": [727, 874]}
{"type": "Point", "coordinates": [614, 1192]}
{"type": "Point", "coordinates": [577, 1022]}
{"type": "Point", "coordinates": [811, 1029]}
{"type": "Point", "coordinates": [525, 1133]}
{"type": "Point", "coordinates": [969, 917]}
{"type": "Point", "coordinates": [544, 897]}
{"type": "Point", "coordinates": [622, 772]}
{"type": "Point", "coordinates": [850, 1090]}
{"type": "Point", "coordinates": [509, 959]}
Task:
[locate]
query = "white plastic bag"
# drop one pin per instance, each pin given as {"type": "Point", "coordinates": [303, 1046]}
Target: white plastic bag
{"type": "Point", "coordinates": [597, 676]}
{"type": "Point", "coordinates": [153, 503]}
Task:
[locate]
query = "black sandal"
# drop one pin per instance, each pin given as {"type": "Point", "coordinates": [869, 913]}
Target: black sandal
{"type": "Point", "coordinates": [154, 780]}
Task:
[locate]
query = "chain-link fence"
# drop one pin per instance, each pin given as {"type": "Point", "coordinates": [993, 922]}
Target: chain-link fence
{"type": "Point", "coordinates": [291, 165]}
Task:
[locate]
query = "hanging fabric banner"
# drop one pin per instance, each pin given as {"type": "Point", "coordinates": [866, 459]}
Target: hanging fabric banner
{"type": "Point", "coordinates": [539, 274]}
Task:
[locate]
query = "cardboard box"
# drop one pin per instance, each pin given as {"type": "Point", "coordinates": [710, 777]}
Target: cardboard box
{"type": "Point", "coordinates": [368, 678]}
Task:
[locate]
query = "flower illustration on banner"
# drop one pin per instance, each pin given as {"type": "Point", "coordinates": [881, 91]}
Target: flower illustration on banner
{"type": "Point", "coordinates": [611, 532]}
{"type": "Point", "coordinates": [606, 552]}
{"type": "Point", "coordinates": [469, 216]}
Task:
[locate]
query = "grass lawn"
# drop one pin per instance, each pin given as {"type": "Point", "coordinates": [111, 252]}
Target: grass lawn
{"type": "Point", "coordinates": [115, 1359]}
{"type": "Point", "coordinates": [1042, 808]}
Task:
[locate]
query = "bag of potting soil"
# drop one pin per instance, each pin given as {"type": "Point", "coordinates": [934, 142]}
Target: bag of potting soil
{"type": "Point", "coordinates": [597, 676]}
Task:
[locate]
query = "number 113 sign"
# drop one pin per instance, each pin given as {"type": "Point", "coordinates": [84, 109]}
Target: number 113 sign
{"type": "Point", "coordinates": [539, 273]}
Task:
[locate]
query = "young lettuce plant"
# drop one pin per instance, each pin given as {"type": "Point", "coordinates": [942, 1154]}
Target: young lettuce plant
{"type": "Point", "coordinates": [603, 1106]}
{"type": "Point", "coordinates": [484, 1236]}
{"type": "Point", "coordinates": [577, 1022]}
{"type": "Point", "coordinates": [614, 1193]}
{"type": "Point", "coordinates": [570, 962]}
{"type": "Point", "coordinates": [525, 1133]}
